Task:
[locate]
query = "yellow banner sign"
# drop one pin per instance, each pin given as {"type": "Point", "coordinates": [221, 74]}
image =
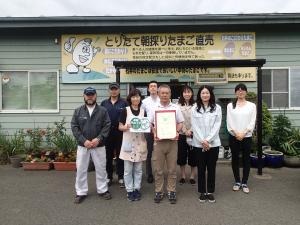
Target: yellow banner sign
{"type": "Point", "coordinates": [89, 58]}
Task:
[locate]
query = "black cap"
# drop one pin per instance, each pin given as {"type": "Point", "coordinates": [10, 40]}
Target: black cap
{"type": "Point", "coordinates": [114, 85]}
{"type": "Point", "coordinates": [89, 91]}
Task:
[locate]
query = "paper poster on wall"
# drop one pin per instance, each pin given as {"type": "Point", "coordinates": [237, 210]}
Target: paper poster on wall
{"type": "Point", "coordinates": [88, 58]}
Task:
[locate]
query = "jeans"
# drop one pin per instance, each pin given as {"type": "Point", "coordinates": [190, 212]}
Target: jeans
{"type": "Point", "coordinates": [133, 172]}
{"type": "Point", "coordinates": [236, 147]}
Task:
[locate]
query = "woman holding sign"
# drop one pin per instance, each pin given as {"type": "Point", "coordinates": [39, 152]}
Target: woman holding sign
{"type": "Point", "coordinates": [134, 146]}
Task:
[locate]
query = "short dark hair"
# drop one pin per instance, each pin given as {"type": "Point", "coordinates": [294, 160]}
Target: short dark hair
{"type": "Point", "coordinates": [134, 92]}
{"type": "Point", "coordinates": [181, 100]}
{"type": "Point", "coordinates": [240, 86]}
{"type": "Point", "coordinates": [153, 82]}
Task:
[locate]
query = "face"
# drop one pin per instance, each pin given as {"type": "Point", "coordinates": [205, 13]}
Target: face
{"type": "Point", "coordinates": [152, 88]}
{"type": "Point", "coordinates": [83, 53]}
{"type": "Point", "coordinates": [114, 92]}
{"type": "Point", "coordinates": [135, 100]}
{"type": "Point", "coordinates": [187, 94]}
{"type": "Point", "coordinates": [205, 95]}
{"type": "Point", "coordinates": [164, 95]}
{"type": "Point", "coordinates": [241, 94]}
{"type": "Point", "coordinates": [90, 99]}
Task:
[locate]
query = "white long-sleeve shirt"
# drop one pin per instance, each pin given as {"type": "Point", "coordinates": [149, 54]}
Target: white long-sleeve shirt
{"type": "Point", "coordinates": [206, 126]}
{"type": "Point", "coordinates": [241, 118]}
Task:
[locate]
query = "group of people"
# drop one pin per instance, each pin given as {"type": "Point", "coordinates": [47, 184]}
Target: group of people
{"type": "Point", "coordinates": [104, 132]}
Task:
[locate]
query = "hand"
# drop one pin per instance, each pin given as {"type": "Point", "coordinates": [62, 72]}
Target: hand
{"type": "Point", "coordinates": [188, 133]}
{"type": "Point", "coordinates": [88, 144]}
{"type": "Point", "coordinates": [95, 142]}
{"type": "Point", "coordinates": [205, 145]}
{"type": "Point", "coordinates": [240, 136]}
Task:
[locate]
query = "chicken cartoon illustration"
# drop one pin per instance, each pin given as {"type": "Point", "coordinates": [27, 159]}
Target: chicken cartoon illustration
{"type": "Point", "coordinates": [82, 54]}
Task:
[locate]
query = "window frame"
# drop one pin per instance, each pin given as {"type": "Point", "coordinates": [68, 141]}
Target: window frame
{"type": "Point", "coordinates": [35, 111]}
{"type": "Point", "coordinates": [289, 90]}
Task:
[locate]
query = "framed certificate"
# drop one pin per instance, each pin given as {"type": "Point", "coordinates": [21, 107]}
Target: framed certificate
{"type": "Point", "coordinates": [165, 124]}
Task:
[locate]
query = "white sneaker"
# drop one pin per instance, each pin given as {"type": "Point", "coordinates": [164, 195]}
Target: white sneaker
{"type": "Point", "coordinates": [236, 187]}
{"type": "Point", "coordinates": [121, 183]}
{"type": "Point", "coordinates": [245, 188]}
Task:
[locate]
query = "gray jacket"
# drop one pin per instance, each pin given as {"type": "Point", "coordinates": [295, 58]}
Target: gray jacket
{"type": "Point", "coordinates": [85, 127]}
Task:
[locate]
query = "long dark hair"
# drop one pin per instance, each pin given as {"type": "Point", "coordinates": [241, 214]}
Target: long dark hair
{"type": "Point", "coordinates": [134, 92]}
{"type": "Point", "coordinates": [211, 102]}
{"type": "Point", "coordinates": [238, 87]}
{"type": "Point", "coordinates": [181, 98]}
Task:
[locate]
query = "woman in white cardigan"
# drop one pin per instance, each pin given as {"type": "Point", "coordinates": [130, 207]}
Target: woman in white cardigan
{"type": "Point", "coordinates": [241, 116]}
{"type": "Point", "coordinates": [206, 121]}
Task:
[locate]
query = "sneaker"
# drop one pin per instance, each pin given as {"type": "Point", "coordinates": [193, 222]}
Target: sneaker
{"type": "Point", "coordinates": [106, 195]}
{"type": "Point", "coordinates": [150, 179]}
{"type": "Point", "coordinates": [182, 181]}
{"type": "Point", "coordinates": [211, 198]}
{"type": "Point", "coordinates": [236, 186]}
{"type": "Point", "coordinates": [158, 197]}
{"type": "Point", "coordinates": [79, 199]}
{"type": "Point", "coordinates": [202, 198]}
{"type": "Point", "coordinates": [192, 182]}
{"type": "Point", "coordinates": [130, 196]}
{"type": "Point", "coordinates": [245, 188]}
{"type": "Point", "coordinates": [121, 183]}
{"type": "Point", "coordinates": [172, 197]}
{"type": "Point", "coordinates": [137, 195]}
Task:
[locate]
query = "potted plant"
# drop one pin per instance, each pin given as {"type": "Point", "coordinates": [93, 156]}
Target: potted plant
{"type": "Point", "coordinates": [282, 130]}
{"type": "Point", "coordinates": [291, 149]}
{"type": "Point", "coordinates": [16, 148]}
{"type": "Point", "coordinates": [36, 159]}
{"type": "Point", "coordinates": [66, 157]}
{"type": "Point", "coordinates": [66, 146]}
{"type": "Point", "coordinates": [3, 148]}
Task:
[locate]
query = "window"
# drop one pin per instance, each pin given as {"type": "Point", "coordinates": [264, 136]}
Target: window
{"type": "Point", "coordinates": [280, 88]}
{"type": "Point", "coordinates": [29, 91]}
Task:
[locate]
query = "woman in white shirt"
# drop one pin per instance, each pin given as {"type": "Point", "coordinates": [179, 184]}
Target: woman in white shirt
{"type": "Point", "coordinates": [241, 116]}
{"type": "Point", "coordinates": [206, 121]}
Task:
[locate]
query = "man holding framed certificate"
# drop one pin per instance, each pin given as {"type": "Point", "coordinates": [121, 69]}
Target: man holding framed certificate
{"type": "Point", "coordinates": [167, 121]}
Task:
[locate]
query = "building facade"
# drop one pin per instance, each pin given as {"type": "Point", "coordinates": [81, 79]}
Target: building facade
{"type": "Point", "coordinates": [42, 80]}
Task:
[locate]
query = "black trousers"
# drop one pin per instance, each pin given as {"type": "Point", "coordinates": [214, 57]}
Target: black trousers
{"type": "Point", "coordinates": [113, 146]}
{"type": "Point", "coordinates": [150, 141]}
{"type": "Point", "coordinates": [236, 147]}
{"type": "Point", "coordinates": [207, 160]}
{"type": "Point", "coordinates": [185, 153]}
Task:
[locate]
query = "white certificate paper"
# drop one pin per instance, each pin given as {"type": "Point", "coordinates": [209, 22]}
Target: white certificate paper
{"type": "Point", "coordinates": [165, 124]}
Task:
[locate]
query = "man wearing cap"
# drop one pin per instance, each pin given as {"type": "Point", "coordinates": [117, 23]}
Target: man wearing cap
{"type": "Point", "coordinates": [114, 105]}
{"type": "Point", "coordinates": [90, 126]}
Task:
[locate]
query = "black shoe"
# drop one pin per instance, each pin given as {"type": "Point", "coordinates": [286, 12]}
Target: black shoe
{"type": "Point", "coordinates": [192, 182]}
{"type": "Point", "coordinates": [79, 199]}
{"type": "Point", "coordinates": [211, 198]}
{"type": "Point", "coordinates": [106, 195]}
{"type": "Point", "coordinates": [137, 195]}
{"type": "Point", "coordinates": [158, 197]}
{"type": "Point", "coordinates": [202, 197]}
{"type": "Point", "coordinates": [130, 196]}
{"type": "Point", "coordinates": [172, 197]}
{"type": "Point", "coordinates": [150, 179]}
{"type": "Point", "coordinates": [182, 181]}
{"type": "Point", "coordinates": [109, 183]}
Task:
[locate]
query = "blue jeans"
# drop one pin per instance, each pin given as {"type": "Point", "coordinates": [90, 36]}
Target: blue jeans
{"type": "Point", "coordinates": [133, 172]}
